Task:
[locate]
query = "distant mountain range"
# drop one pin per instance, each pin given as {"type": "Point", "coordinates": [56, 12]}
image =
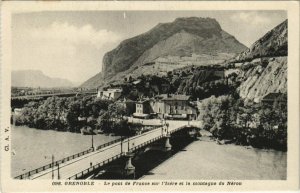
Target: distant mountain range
{"type": "Point", "coordinates": [185, 38]}
{"type": "Point", "coordinates": [36, 78]}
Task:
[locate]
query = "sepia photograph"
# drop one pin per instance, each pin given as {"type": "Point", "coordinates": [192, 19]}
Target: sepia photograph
{"type": "Point", "coordinates": [149, 95]}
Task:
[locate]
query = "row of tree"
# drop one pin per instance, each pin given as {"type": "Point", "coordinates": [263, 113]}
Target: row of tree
{"type": "Point", "coordinates": [260, 125]}
{"type": "Point", "coordinates": [73, 113]}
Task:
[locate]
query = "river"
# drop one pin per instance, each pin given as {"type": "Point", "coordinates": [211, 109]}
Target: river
{"type": "Point", "coordinates": [204, 159]}
{"type": "Point", "coordinates": [32, 148]}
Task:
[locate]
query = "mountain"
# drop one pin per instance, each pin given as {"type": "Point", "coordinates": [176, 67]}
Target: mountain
{"type": "Point", "coordinates": [262, 80]}
{"type": "Point", "coordinates": [273, 43]}
{"type": "Point", "coordinates": [94, 81]}
{"type": "Point", "coordinates": [183, 41]}
{"type": "Point", "coordinates": [266, 69]}
{"type": "Point", "coordinates": [252, 79]}
{"type": "Point", "coordinates": [36, 78]}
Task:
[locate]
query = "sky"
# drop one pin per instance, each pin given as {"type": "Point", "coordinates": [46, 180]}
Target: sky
{"type": "Point", "coordinates": [71, 44]}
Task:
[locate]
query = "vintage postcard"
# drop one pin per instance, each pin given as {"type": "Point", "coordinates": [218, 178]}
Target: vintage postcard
{"type": "Point", "coordinates": [149, 96]}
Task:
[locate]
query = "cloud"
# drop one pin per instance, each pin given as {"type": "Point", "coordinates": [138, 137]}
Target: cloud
{"type": "Point", "coordinates": [70, 34]}
{"type": "Point", "coordinates": [253, 18]}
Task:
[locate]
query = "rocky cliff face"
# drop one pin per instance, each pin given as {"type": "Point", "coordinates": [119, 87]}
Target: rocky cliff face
{"type": "Point", "coordinates": [262, 80]}
{"type": "Point", "coordinates": [195, 29]}
{"type": "Point", "coordinates": [273, 43]}
{"type": "Point", "coordinates": [267, 72]}
{"type": "Point", "coordinates": [179, 38]}
{"type": "Point", "coordinates": [185, 44]}
{"type": "Point", "coordinates": [183, 37]}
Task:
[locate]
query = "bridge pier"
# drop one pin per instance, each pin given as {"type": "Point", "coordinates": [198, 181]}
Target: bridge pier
{"type": "Point", "coordinates": [168, 146]}
{"type": "Point", "coordinates": [199, 133]}
{"type": "Point", "coordinates": [129, 168]}
{"type": "Point", "coordinates": [194, 133]}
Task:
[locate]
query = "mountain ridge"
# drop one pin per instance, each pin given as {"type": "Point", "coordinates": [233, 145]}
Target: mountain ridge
{"type": "Point", "coordinates": [36, 78]}
{"type": "Point", "coordinates": [129, 51]}
{"type": "Point", "coordinates": [273, 43]}
{"type": "Point", "coordinates": [267, 60]}
{"type": "Point", "coordinates": [157, 42]}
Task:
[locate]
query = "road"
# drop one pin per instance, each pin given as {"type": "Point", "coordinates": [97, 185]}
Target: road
{"type": "Point", "coordinates": [80, 164]}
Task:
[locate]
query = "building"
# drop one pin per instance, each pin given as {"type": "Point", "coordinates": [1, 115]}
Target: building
{"type": "Point", "coordinates": [18, 111]}
{"type": "Point", "coordinates": [110, 94]}
{"type": "Point", "coordinates": [169, 106]}
{"type": "Point", "coordinates": [174, 106]}
{"type": "Point", "coordinates": [129, 105]}
{"type": "Point", "coordinates": [279, 98]}
{"type": "Point", "coordinates": [142, 109]}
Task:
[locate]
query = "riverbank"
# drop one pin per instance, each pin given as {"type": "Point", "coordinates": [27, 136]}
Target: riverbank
{"type": "Point", "coordinates": [205, 159]}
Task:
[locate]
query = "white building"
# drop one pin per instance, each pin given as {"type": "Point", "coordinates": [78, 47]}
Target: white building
{"type": "Point", "coordinates": [110, 94]}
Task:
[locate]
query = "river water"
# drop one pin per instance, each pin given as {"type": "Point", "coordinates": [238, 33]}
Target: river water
{"type": "Point", "coordinates": [32, 148]}
{"type": "Point", "coordinates": [203, 159]}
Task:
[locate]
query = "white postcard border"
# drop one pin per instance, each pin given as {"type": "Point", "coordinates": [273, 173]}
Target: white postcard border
{"type": "Point", "coordinates": [292, 183]}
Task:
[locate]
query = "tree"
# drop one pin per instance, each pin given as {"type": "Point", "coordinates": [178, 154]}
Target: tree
{"type": "Point", "coordinates": [116, 110]}
{"type": "Point", "coordinates": [103, 122]}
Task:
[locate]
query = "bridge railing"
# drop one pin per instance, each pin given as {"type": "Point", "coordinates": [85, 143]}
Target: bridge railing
{"type": "Point", "coordinates": [109, 143]}
{"type": "Point", "coordinates": [45, 167]}
{"type": "Point", "coordinates": [94, 167]}
{"type": "Point", "coordinates": [78, 175]}
{"type": "Point", "coordinates": [109, 160]}
{"type": "Point", "coordinates": [146, 143]}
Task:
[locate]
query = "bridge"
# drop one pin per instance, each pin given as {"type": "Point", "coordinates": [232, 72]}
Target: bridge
{"type": "Point", "coordinates": [62, 94]}
{"type": "Point", "coordinates": [83, 165]}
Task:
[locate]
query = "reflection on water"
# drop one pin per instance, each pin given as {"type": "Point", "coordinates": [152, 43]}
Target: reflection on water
{"type": "Point", "coordinates": [32, 148]}
{"type": "Point", "coordinates": [207, 160]}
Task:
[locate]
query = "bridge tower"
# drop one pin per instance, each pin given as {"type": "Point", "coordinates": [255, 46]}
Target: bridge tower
{"type": "Point", "coordinates": [194, 132]}
{"type": "Point", "coordinates": [168, 146]}
{"type": "Point", "coordinates": [129, 168]}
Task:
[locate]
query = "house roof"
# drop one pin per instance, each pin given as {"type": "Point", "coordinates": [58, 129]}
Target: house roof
{"type": "Point", "coordinates": [125, 100]}
{"type": "Point", "coordinates": [128, 100]}
{"type": "Point", "coordinates": [113, 90]}
{"type": "Point", "coordinates": [275, 96]}
{"type": "Point", "coordinates": [140, 115]}
{"type": "Point", "coordinates": [143, 101]}
{"type": "Point", "coordinates": [136, 82]}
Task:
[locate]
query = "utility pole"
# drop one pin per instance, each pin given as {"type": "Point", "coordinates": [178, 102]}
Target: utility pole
{"type": "Point", "coordinates": [58, 176]}
{"type": "Point", "coordinates": [93, 141]}
{"type": "Point", "coordinates": [121, 144]}
{"type": "Point", "coordinates": [52, 167]}
{"type": "Point", "coordinates": [128, 143]}
{"type": "Point", "coordinates": [167, 124]}
{"type": "Point", "coordinates": [162, 126]}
